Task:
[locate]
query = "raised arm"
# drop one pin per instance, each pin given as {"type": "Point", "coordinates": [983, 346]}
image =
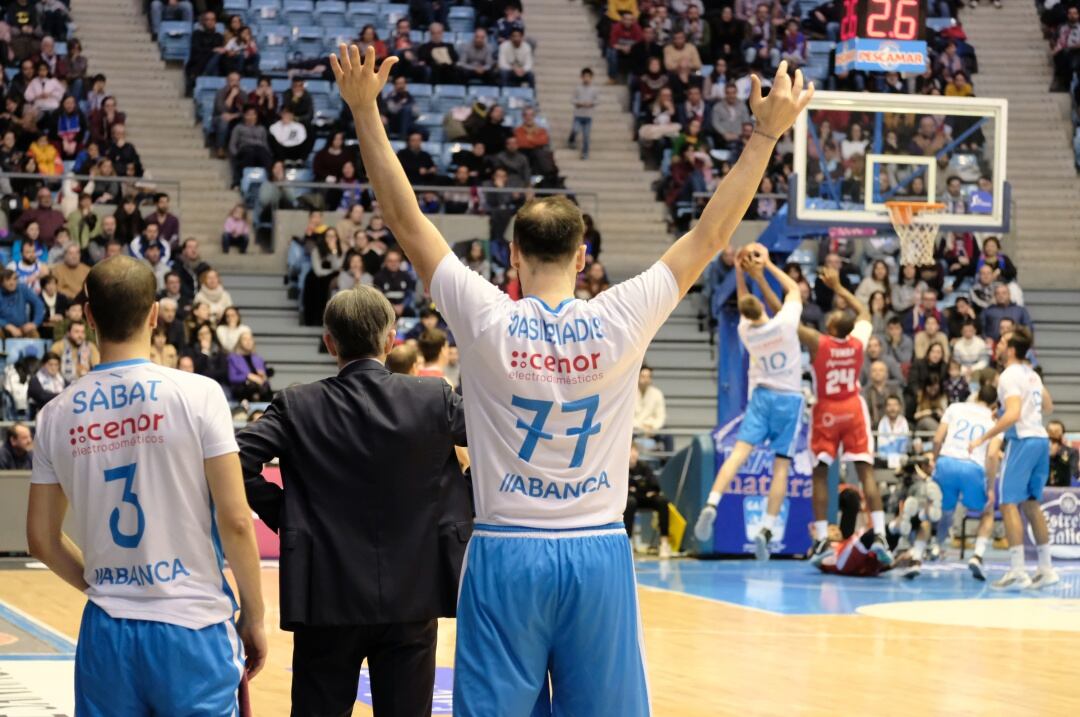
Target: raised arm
{"type": "Point", "coordinates": [691, 254]}
{"type": "Point", "coordinates": [360, 87]}
{"type": "Point", "coordinates": [831, 277]}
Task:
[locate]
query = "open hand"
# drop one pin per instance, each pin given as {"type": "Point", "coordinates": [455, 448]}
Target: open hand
{"type": "Point", "coordinates": [777, 112]}
{"type": "Point", "coordinates": [359, 83]}
{"type": "Point", "coordinates": [830, 277]}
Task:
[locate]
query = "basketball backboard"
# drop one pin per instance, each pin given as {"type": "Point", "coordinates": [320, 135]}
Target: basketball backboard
{"type": "Point", "coordinates": [856, 151]}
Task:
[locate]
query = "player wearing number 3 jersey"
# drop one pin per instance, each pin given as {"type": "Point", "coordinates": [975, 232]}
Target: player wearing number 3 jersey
{"type": "Point", "coordinates": [548, 585]}
{"type": "Point", "coordinates": [774, 412]}
{"type": "Point", "coordinates": [146, 457]}
{"type": "Point", "coordinates": [840, 419]}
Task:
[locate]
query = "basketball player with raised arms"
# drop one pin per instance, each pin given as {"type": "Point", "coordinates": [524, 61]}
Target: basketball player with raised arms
{"type": "Point", "coordinates": [966, 475]}
{"type": "Point", "coordinates": [774, 412]}
{"type": "Point", "coordinates": [1026, 466]}
{"type": "Point", "coordinates": [840, 419]}
{"type": "Point", "coordinates": [147, 460]}
{"type": "Point", "coordinates": [548, 586]}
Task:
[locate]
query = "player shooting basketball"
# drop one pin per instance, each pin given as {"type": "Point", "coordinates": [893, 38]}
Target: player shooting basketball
{"type": "Point", "coordinates": [774, 412]}
{"type": "Point", "coordinates": [840, 417]}
{"type": "Point", "coordinates": [550, 380]}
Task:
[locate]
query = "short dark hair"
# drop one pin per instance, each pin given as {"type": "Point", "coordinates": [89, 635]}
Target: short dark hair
{"type": "Point", "coordinates": [121, 291]}
{"type": "Point", "coordinates": [549, 229]}
{"type": "Point", "coordinates": [894, 321]}
{"type": "Point", "coordinates": [358, 320]}
{"type": "Point", "coordinates": [1020, 341]}
{"type": "Point", "coordinates": [15, 427]}
{"type": "Point", "coordinates": [431, 344]}
{"type": "Point", "coordinates": [988, 394]}
{"type": "Point", "coordinates": [587, 71]}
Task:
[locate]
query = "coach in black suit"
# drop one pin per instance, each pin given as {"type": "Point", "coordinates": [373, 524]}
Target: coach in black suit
{"type": "Point", "coordinates": [373, 518]}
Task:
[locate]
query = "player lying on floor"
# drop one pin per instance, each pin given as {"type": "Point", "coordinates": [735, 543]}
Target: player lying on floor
{"type": "Point", "coordinates": [853, 555]}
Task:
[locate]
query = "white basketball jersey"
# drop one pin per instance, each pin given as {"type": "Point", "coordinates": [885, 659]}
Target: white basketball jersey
{"type": "Point", "coordinates": [126, 443]}
{"type": "Point", "coordinates": [549, 393]}
{"type": "Point", "coordinates": [967, 422]}
{"type": "Point", "coordinates": [1021, 380]}
{"type": "Point", "coordinates": [775, 354]}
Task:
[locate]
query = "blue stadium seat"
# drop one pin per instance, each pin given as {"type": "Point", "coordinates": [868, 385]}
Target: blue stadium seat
{"type": "Point", "coordinates": [520, 93]}
{"type": "Point", "coordinates": [60, 48]}
{"type": "Point", "coordinates": [10, 72]}
{"type": "Point", "coordinates": [308, 42]}
{"type": "Point", "coordinates": [298, 174]}
{"type": "Point", "coordinates": [455, 91]}
{"type": "Point", "coordinates": [360, 14]}
{"type": "Point", "coordinates": [490, 93]}
{"type": "Point", "coordinates": [937, 24]}
{"type": "Point", "coordinates": [418, 36]}
{"type": "Point", "coordinates": [280, 84]}
{"type": "Point", "coordinates": [392, 12]}
{"type": "Point", "coordinates": [265, 11]}
{"type": "Point", "coordinates": [17, 348]}
{"type": "Point", "coordinates": [397, 145]}
{"type": "Point", "coordinates": [330, 13]}
{"type": "Point", "coordinates": [419, 90]}
{"type": "Point", "coordinates": [273, 60]}
{"type": "Point", "coordinates": [275, 35]}
{"type": "Point", "coordinates": [820, 47]}
{"type": "Point", "coordinates": [236, 7]}
{"type": "Point", "coordinates": [174, 37]}
{"type": "Point", "coordinates": [249, 184]}
{"type": "Point", "coordinates": [461, 18]}
{"type": "Point", "coordinates": [434, 149]}
{"type": "Point", "coordinates": [298, 12]}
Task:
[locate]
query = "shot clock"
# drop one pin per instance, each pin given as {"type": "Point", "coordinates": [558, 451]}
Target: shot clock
{"type": "Point", "coordinates": [882, 36]}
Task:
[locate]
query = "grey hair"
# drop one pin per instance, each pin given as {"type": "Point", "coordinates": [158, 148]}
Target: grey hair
{"type": "Point", "coordinates": [165, 303]}
{"type": "Point", "coordinates": [359, 320]}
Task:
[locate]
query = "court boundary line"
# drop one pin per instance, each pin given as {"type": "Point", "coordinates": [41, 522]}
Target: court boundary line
{"type": "Point", "coordinates": [714, 600]}
{"type": "Point", "coordinates": [37, 629]}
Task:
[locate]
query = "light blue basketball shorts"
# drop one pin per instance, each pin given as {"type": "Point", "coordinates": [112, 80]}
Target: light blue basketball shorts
{"type": "Point", "coordinates": [535, 603]}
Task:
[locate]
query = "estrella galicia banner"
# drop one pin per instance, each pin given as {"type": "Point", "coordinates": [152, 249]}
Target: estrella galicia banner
{"type": "Point", "coordinates": [1061, 506]}
{"type": "Point", "coordinates": [741, 510]}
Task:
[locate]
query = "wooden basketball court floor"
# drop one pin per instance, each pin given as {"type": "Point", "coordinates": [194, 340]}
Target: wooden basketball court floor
{"type": "Point", "coordinates": [722, 638]}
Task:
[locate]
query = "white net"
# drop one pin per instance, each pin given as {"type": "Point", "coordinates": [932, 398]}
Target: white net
{"type": "Point", "coordinates": [917, 227]}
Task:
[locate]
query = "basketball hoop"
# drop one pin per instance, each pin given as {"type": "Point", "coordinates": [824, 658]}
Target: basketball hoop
{"type": "Point", "coordinates": [916, 223]}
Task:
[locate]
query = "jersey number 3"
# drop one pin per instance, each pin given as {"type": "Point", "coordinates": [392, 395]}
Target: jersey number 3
{"type": "Point", "coordinates": [534, 431]}
{"type": "Point", "coordinates": [126, 540]}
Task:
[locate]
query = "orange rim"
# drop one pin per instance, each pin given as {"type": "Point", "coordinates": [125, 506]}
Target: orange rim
{"type": "Point", "coordinates": [903, 212]}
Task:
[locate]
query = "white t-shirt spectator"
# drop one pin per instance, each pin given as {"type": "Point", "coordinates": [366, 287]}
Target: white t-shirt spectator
{"type": "Point", "coordinates": [894, 437]}
{"type": "Point", "coordinates": [650, 410]}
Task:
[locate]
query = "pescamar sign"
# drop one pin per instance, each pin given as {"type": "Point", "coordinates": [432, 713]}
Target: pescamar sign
{"type": "Point", "coordinates": [881, 55]}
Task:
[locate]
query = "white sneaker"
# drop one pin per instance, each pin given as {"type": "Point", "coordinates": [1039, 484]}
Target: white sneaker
{"type": "Point", "coordinates": [665, 550]}
{"type": "Point", "coordinates": [1013, 580]}
{"type": "Point", "coordinates": [761, 544]}
{"type": "Point", "coordinates": [703, 529]}
{"type": "Point", "coordinates": [1044, 578]}
{"type": "Point", "coordinates": [913, 570]}
{"type": "Point", "coordinates": [978, 570]}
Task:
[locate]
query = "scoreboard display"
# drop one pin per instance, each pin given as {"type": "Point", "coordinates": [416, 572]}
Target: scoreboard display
{"type": "Point", "coordinates": [882, 36]}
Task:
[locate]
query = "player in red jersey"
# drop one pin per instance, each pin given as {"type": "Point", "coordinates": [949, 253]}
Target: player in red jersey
{"type": "Point", "coordinates": [853, 554]}
{"type": "Point", "coordinates": [840, 418]}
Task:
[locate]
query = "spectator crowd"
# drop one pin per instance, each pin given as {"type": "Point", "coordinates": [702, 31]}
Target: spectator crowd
{"type": "Point", "coordinates": [688, 64]}
{"type": "Point", "coordinates": [48, 342]}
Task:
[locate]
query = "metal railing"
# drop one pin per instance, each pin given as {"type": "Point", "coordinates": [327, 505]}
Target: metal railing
{"type": "Point", "coordinates": [588, 201]}
{"type": "Point", "coordinates": [144, 187]}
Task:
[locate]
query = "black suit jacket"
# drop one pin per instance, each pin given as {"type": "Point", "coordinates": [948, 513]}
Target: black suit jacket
{"type": "Point", "coordinates": [375, 513]}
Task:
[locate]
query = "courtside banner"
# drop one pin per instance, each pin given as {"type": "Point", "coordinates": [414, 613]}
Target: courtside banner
{"type": "Point", "coordinates": [741, 510]}
{"type": "Point", "coordinates": [1061, 506]}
